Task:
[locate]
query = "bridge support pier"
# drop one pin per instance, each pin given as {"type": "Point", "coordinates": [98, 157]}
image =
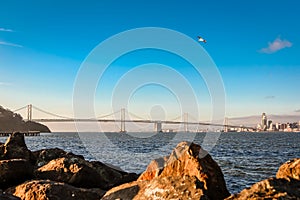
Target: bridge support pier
{"type": "Point", "coordinates": [123, 130]}
{"type": "Point", "coordinates": [186, 121]}
{"type": "Point", "coordinates": [226, 124]}
{"type": "Point", "coordinates": [29, 112]}
{"type": "Point", "coordinates": [158, 127]}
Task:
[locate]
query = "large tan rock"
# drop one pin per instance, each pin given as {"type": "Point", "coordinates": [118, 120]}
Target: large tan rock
{"type": "Point", "coordinates": [185, 160]}
{"type": "Point", "coordinates": [81, 173]}
{"type": "Point", "coordinates": [290, 170]}
{"type": "Point", "coordinates": [271, 188]}
{"type": "Point", "coordinates": [14, 171]}
{"type": "Point", "coordinates": [197, 176]}
{"type": "Point", "coordinates": [159, 188]}
{"type": "Point", "coordinates": [50, 190]}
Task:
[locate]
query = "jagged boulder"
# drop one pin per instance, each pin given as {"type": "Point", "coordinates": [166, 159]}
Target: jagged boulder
{"type": "Point", "coordinates": [112, 175]}
{"type": "Point", "coordinates": [50, 190]}
{"type": "Point", "coordinates": [14, 171]}
{"type": "Point", "coordinates": [271, 188]}
{"type": "Point", "coordinates": [286, 185]}
{"type": "Point", "coordinates": [42, 157]}
{"type": "Point", "coordinates": [15, 148]}
{"type": "Point", "coordinates": [290, 170]}
{"type": "Point", "coordinates": [80, 173]}
{"type": "Point", "coordinates": [198, 176]}
{"type": "Point", "coordinates": [185, 187]}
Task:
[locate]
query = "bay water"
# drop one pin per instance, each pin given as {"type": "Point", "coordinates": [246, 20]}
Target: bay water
{"type": "Point", "coordinates": [245, 158]}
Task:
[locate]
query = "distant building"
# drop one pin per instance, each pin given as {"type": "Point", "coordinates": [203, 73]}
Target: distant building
{"type": "Point", "coordinates": [157, 126]}
{"type": "Point", "coordinates": [283, 126]}
{"type": "Point", "coordinates": [264, 120]}
{"type": "Point", "coordinates": [277, 126]}
{"type": "Point", "coordinates": [271, 126]}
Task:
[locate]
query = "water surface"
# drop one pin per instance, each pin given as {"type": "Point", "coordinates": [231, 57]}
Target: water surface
{"type": "Point", "coordinates": [244, 158]}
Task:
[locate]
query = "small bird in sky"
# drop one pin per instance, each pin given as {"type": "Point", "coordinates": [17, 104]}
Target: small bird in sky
{"type": "Point", "coordinates": [201, 39]}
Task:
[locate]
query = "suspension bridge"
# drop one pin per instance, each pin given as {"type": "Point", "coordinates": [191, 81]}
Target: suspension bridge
{"type": "Point", "coordinates": [122, 120]}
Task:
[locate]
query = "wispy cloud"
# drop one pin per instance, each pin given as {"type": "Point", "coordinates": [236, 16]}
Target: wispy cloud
{"type": "Point", "coordinates": [5, 84]}
{"type": "Point", "coordinates": [6, 30]}
{"type": "Point", "coordinates": [276, 45]}
{"type": "Point", "coordinates": [10, 44]}
{"type": "Point", "coordinates": [298, 110]}
{"type": "Point", "coordinates": [269, 97]}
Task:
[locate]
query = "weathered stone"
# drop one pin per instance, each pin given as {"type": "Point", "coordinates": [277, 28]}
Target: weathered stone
{"type": "Point", "coordinates": [159, 188]}
{"type": "Point", "coordinates": [182, 175]}
{"type": "Point", "coordinates": [185, 161]}
{"type": "Point", "coordinates": [113, 176]}
{"type": "Point", "coordinates": [15, 148]}
{"type": "Point", "coordinates": [14, 171]}
{"type": "Point", "coordinates": [42, 157]}
{"type": "Point", "coordinates": [290, 170]}
{"type": "Point", "coordinates": [80, 173]}
{"type": "Point", "coordinates": [50, 190]}
{"type": "Point", "coordinates": [271, 188]}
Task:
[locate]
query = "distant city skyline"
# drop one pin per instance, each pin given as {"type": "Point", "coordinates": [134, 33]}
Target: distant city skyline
{"type": "Point", "coordinates": [254, 44]}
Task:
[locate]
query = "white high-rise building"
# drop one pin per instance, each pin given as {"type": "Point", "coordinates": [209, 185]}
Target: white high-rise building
{"type": "Point", "coordinates": [264, 120]}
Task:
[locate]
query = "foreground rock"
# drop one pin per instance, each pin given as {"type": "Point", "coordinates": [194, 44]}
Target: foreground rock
{"type": "Point", "coordinates": [182, 174]}
{"type": "Point", "coordinates": [21, 164]}
{"type": "Point", "coordinates": [290, 170]}
{"type": "Point", "coordinates": [14, 171]}
{"type": "Point", "coordinates": [44, 156]}
{"type": "Point", "coordinates": [15, 148]}
{"type": "Point", "coordinates": [50, 190]}
{"type": "Point", "coordinates": [271, 188]}
{"type": "Point", "coordinates": [185, 187]}
{"type": "Point", "coordinates": [80, 173]}
{"type": "Point", "coordinates": [188, 173]}
{"type": "Point", "coordinates": [286, 185]}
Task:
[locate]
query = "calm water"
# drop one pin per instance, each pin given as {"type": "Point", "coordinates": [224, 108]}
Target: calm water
{"type": "Point", "coordinates": [244, 158]}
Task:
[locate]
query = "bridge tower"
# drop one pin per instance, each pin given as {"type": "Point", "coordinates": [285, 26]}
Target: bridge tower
{"type": "Point", "coordinates": [186, 121]}
{"type": "Point", "coordinates": [123, 130]}
{"type": "Point", "coordinates": [226, 124]}
{"type": "Point", "coordinates": [157, 126]}
{"type": "Point", "coordinates": [29, 112]}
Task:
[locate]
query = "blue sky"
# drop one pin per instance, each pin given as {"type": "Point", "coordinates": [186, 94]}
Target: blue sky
{"type": "Point", "coordinates": [255, 45]}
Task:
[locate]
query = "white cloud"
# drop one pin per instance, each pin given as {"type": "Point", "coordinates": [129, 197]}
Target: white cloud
{"type": "Point", "coordinates": [276, 45]}
{"type": "Point", "coordinates": [6, 30]}
{"type": "Point", "coordinates": [10, 44]}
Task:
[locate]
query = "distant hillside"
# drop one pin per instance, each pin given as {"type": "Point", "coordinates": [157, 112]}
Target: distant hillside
{"type": "Point", "coordinates": [10, 122]}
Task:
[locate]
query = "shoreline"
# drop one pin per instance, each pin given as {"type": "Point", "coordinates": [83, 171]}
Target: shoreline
{"type": "Point", "coordinates": [42, 169]}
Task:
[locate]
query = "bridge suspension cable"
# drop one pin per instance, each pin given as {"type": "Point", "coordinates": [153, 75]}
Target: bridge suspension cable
{"type": "Point", "coordinates": [193, 118]}
{"type": "Point", "coordinates": [49, 113]}
{"type": "Point", "coordinates": [107, 115]}
{"type": "Point", "coordinates": [177, 118]}
{"type": "Point", "coordinates": [136, 116]}
{"type": "Point", "coordinates": [20, 109]}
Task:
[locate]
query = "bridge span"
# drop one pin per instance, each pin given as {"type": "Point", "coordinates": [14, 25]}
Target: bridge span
{"type": "Point", "coordinates": [123, 121]}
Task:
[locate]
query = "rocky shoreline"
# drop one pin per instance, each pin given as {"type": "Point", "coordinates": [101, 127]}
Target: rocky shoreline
{"type": "Point", "coordinates": [51, 174]}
